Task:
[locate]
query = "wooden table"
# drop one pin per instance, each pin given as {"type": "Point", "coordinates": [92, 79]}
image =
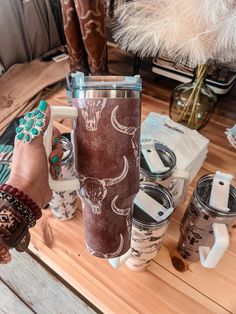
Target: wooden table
{"type": "Point", "coordinates": [27, 287]}
{"type": "Point", "coordinates": [160, 289]}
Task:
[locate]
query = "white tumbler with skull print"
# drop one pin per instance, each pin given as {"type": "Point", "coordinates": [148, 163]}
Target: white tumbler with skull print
{"type": "Point", "coordinates": [151, 217]}
{"type": "Point", "coordinates": [64, 203]}
{"type": "Point", "coordinates": [106, 112]}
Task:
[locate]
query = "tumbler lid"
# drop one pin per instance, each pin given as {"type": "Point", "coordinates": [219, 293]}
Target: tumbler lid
{"type": "Point", "coordinates": [157, 160]}
{"type": "Point", "coordinates": [220, 191]}
{"type": "Point", "coordinates": [152, 158]}
{"type": "Point", "coordinates": [79, 81]}
{"type": "Point", "coordinates": [203, 194]}
{"type": "Point", "coordinates": [152, 205]}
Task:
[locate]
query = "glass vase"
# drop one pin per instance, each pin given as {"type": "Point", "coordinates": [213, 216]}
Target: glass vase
{"type": "Point", "coordinates": [192, 104]}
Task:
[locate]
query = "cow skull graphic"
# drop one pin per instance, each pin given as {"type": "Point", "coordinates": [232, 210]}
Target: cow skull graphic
{"type": "Point", "coordinates": [91, 112]}
{"type": "Point", "coordinates": [94, 190]}
{"type": "Point", "coordinates": [117, 210]}
{"type": "Point", "coordinates": [123, 212]}
{"type": "Point", "coordinates": [107, 255]}
{"type": "Point", "coordinates": [129, 131]}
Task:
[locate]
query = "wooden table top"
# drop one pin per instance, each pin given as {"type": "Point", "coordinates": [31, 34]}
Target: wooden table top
{"type": "Point", "coordinates": [160, 289]}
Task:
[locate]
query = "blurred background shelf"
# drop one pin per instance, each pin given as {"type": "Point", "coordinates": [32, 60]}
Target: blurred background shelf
{"type": "Point", "coordinates": [168, 69]}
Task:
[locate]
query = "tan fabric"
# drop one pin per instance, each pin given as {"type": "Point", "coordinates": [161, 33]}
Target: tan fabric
{"type": "Point", "coordinates": [84, 25]}
{"type": "Point", "coordinates": [28, 30]}
{"type": "Point", "coordinates": [23, 85]}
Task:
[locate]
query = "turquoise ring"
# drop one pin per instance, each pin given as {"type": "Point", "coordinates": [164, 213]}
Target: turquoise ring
{"type": "Point", "coordinates": [31, 125]}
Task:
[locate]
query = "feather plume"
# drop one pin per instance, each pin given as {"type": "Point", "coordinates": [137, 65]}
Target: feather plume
{"type": "Point", "coordinates": [47, 233]}
{"type": "Point", "coordinates": [231, 135]}
{"type": "Point", "coordinates": [193, 31]}
{"type": "Point", "coordinates": [206, 12]}
{"type": "Point", "coordinates": [226, 34]}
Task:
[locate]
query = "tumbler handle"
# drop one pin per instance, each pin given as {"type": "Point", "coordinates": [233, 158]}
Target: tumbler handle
{"type": "Point", "coordinates": [182, 175]}
{"type": "Point", "coordinates": [210, 257]}
{"type": "Point", "coordinates": [59, 112]}
{"type": "Point", "coordinates": [120, 260]}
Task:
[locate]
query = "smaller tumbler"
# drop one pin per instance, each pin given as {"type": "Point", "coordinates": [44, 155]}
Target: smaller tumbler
{"type": "Point", "coordinates": [64, 203]}
{"type": "Point", "coordinates": [151, 217]}
{"type": "Point", "coordinates": [205, 226]}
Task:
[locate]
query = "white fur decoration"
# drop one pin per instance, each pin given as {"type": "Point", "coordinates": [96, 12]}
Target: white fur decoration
{"type": "Point", "coordinates": [195, 31]}
{"type": "Point", "coordinates": [231, 135]}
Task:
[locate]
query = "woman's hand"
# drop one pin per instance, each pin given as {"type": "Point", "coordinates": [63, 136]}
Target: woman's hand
{"type": "Point", "coordinates": [29, 169]}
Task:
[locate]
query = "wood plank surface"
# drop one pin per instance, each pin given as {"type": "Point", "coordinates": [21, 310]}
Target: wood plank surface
{"type": "Point", "coordinates": [11, 303]}
{"type": "Point", "coordinates": [35, 290]}
{"type": "Point", "coordinates": [161, 289]}
{"type": "Point", "coordinates": [112, 291]}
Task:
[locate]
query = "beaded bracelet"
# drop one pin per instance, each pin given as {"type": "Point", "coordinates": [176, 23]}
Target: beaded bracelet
{"type": "Point", "coordinates": [24, 211]}
{"type": "Point", "coordinates": [19, 239]}
{"type": "Point", "coordinates": [22, 197]}
{"type": "Point", "coordinates": [11, 238]}
{"type": "Point", "coordinates": [14, 231]}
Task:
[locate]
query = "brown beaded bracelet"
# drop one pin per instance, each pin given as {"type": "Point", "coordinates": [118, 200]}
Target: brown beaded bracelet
{"type": "Point", "coordinates": [20, 207]}
{"type": "Point", "coordinates": [22, 197]}
{"type": "Point", "coordinates": [14, 231]}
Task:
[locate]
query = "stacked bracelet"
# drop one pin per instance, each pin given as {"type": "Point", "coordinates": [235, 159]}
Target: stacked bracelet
{"type": "Point", "coordinates": [24, 211]}
{"type": "Point", "coordinates": [22, 197]}
{"type": "Point", "coordinates": [14, 230]}
{"type": "Point", "coordinates": [17, 239]}
{"type": "Point", "coordinates": [27, 209]}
